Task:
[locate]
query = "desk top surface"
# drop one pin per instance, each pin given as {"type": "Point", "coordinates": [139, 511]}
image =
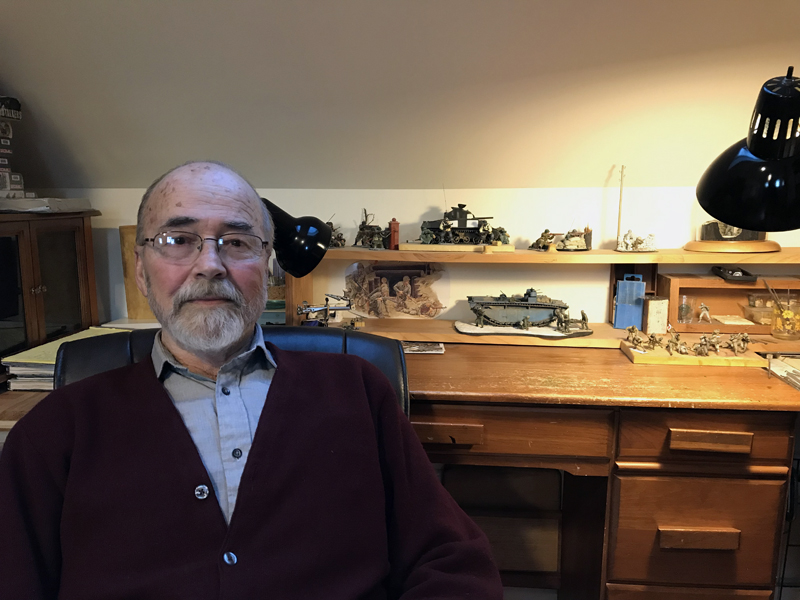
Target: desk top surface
{"type": "Point", "coordinates": [559, 376]}
{"type": "Point", "coordinates": [588, 377]}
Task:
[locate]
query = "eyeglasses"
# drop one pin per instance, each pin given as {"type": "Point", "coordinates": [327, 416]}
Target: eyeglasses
{"type": "Point", "coordinates": [184, 246]}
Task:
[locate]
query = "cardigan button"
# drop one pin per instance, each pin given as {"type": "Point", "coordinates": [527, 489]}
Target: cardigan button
{"type": "Point", "coordinates": [201, 492]}
{"type": "Point", "coordinates": [229, 558]}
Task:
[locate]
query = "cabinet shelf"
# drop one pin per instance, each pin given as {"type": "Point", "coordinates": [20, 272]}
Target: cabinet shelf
{"type": "Point", "coordinates": [298, 290]}
{"type": "Point", "coordinates": [597, 257]}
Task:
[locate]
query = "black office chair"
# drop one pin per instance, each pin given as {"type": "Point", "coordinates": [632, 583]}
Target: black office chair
{"type": "Point", "coordinates": [83, 358]}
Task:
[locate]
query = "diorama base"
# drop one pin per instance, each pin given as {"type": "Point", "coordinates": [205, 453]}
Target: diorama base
{"type": "Point", "coordinates": [660, 356]}
{"type": "Point", "coordinates": [547, 332]}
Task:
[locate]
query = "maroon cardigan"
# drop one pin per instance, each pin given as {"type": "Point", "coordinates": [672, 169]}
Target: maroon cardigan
{"type": "Point", "coordinates": [337, 501]}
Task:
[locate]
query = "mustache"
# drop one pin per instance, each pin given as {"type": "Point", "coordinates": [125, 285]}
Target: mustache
{"type": "Point", "coordinates": [203, 288]}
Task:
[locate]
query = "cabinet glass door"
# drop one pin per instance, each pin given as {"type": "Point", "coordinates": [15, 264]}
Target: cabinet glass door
{"type": "Point", "coordinates": [59, 279]}
{"type": "Point", "coordinates": [13, 330]}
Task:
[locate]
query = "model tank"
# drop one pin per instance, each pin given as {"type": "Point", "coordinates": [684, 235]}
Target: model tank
{"type": "Point", "coordinates": [459, 226]}
{"type": "Point", "coordinates": [505, 311]}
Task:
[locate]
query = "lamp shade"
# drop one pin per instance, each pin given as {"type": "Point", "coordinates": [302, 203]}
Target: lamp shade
{"type": "Point", "coordinates": [754, 183]}
{"type": "Point", "coordinates": [300, 242]}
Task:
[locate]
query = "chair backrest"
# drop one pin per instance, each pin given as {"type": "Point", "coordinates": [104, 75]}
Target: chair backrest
{"type": "Point", "coordinates": [83, 358]}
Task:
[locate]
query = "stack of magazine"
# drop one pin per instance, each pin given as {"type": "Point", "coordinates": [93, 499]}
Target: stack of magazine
{"type": "Point", "coordinates": [34, 369]}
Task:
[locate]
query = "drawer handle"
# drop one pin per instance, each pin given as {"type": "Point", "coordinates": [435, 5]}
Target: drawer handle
{"type": "Point", "coordinates": [702, 440]}
{"type": "Point", "coordinates": [698, 538]}
{"type": "Point", "coordinates": [461, 434]}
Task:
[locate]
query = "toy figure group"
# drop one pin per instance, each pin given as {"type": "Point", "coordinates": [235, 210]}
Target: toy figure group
{"type": "Point", "coordinates": [737, 342]}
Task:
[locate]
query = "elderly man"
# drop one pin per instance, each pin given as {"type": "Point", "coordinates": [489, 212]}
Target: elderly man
{"type": "Point", "coordinates": [221, 468]}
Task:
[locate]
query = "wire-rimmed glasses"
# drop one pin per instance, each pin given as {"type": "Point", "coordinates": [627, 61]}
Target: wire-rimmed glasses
{"type": "Point", "coordinates": [184, 246]}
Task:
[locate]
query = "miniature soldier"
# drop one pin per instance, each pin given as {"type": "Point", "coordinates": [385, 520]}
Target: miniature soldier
{"type": "Point", "coordinates": [445, 233]}
{"type": "Point", "coordinates": [701, 348]}
{"type": "Point", "coordinates": [584, 321]}
{"type": "Point", "coordinates": [480, 316]}
{"type": "Point", "coordinates": [654, 341]}
{"type": "Point", "coordinates": [674, 342]}
{"type": "Point", "coordinates": [704, 314]}
{"type": "Point", "coordinates": [714, 341]}
{"type": "Point", "coordinates": [627, 240]}
{"type": "Point", "coordinates": [377, 239]}
{"type": "Point", "coordinates": [633, 333]}
{"type": "Point", "coordinates": [499, 233]}
{"type": "Point", "coordinates": [484, 232]}
{"type": "Point", "coordinates": [543, 241]}
{"type": "Point", "coordinates": [525, 323]}
{"type": "Point", "coordinates": [734, 342]}
{"type": "Point", "coordinates": [426, 236]}
{"type": "Point", "coordinates": [683, 348]}
{"type": "Point", "coordinates": [744, 339]}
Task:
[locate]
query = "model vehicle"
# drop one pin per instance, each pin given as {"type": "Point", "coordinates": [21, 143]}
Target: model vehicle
{"type": "Point", "coordinates": [529, 310]}
{"type": "Point", "coordinates": [458, 226]}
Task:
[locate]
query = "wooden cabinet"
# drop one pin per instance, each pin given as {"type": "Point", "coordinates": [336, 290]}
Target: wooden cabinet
{"type": "Point", "coordinates": [695, 530]}
{"type": "Point", "coordinates": [47, 285]}
{"type": "Point", "coordinates": [697, 499]}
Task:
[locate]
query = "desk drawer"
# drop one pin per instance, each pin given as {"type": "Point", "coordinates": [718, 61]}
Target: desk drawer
{"type": "Point", "coordinates": [695, 530]}
{"type": "Point", "coordinates": [686, 435]}
{"type": "Point", "coordinates": [617, 591]}
{"type": "Point", "coordinates": [510, 430]}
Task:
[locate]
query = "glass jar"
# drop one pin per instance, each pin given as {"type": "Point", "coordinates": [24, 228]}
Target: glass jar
{"type": "Point", "coordinates": [786, 322]}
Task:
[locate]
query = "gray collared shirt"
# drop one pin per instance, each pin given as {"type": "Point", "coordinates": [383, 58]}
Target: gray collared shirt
{"type": "Point", "coordinates": [221, 415]}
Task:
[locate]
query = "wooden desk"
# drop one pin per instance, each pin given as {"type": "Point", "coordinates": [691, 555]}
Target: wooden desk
{"type": "Point", "coordinates": [675, 477]}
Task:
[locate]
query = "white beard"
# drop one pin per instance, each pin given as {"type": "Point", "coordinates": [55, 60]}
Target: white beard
{"type": "Point", "coordinates": [203, 330]}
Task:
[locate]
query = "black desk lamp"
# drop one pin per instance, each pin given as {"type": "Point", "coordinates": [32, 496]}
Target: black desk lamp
{"type": "Point", "coordinates": [755, 184]}
{"type": "Point", "coordinates": [300, 242]}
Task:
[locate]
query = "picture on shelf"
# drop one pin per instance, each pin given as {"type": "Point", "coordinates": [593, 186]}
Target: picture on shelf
{"type": "Point", "coordinates": [394, 290]}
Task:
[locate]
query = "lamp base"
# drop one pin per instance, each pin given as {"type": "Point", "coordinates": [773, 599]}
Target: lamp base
{"type": "Point", "coordinates": [734, 246]}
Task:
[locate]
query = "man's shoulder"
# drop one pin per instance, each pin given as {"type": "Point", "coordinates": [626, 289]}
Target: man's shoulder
{"type": "Point", "coordinates": [102, 389]}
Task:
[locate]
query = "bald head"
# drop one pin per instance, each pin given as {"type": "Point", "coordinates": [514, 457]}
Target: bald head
{"type": "Point", "coordinates": [211, 177]}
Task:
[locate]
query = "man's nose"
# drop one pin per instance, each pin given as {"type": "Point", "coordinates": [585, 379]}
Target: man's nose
{"type": "Point", "coordinates": [209, 263]}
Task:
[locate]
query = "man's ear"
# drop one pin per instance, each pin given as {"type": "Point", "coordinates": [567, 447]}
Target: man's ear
{"type": "Point", "coordinates": [140, 278]}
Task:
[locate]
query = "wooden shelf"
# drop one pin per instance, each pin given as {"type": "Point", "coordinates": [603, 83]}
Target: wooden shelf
{"type": "Point", "coordinates": [722, 297]}
{"type": "Point", "coordinates": [598, 257]}
{"type": "Point", "coordinates": [604, 336]}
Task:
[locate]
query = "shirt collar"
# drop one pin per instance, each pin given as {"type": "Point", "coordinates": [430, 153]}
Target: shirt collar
{"type": "Point", "coordinates": [163, 360]}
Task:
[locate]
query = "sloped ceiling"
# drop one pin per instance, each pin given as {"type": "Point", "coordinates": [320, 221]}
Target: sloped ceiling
{"type": "Point", "coordinates": [368, 93]}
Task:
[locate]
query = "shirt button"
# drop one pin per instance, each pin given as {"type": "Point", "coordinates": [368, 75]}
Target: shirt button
{"type": "Point", "coordinates": [229, 558]}
{"type": "Point", "coordinates": [226, 391]}
{"type": "Point", "coordinates": [237, 453]}
{"type": "Point", "coordinates": [201, 492]}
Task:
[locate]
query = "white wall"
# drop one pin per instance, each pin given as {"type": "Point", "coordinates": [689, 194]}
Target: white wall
{"type": "Point", "coordinates": [671, 213]}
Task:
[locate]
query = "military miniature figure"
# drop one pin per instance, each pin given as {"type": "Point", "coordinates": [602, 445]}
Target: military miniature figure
{"type": "Point", "coordinates": [576, 240]}
{"type": "Point", "coordinates": [704, 313]}
{"type": "Point", "coordinates": [633, 333]}
{"type": "Point", "coordinates": [673, 342]}
{"type": "Point", "coordinates": [632, 243]}
{"type": "Point", "coordinates": [584, 321]}
{"type": "Point", "coordinates": [366, 231]}
{"type": "Point", "coordinates": [544, 241]}
{"type": "Point", "coordinates": [427, 236]}
{"type": "Point", "coordinates": [653, 342]}
{"type": "Point", "coordinates": [702, 347]}
{"type": "Point", "coordinates": [499, 234]}
{"type": "Point", "coordinates": [337, 239]}
{"type": "Point", "coordinates": [714, 341]}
